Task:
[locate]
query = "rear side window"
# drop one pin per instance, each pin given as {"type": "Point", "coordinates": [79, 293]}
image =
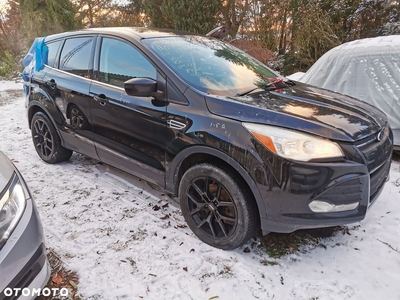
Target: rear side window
{"type": "Point", "coordinates": [52, 52]}
{"type": "Point", "coordinates": [75, 56]}
{"type": "Point", "coordinates": [120, 61]}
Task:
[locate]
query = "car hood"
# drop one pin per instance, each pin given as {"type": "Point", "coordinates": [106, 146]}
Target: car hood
{"type": "Point", "coordinates": [305, 108]}
{"type": "Point", "coordinates": [7, 170]}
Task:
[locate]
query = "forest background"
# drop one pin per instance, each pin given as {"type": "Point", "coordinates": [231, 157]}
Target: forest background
{"type": "Point", "coordinates": [288, 35]}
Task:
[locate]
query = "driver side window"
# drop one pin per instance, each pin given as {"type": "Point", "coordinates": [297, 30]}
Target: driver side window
{"type": "Point", "coordinates": [120, 61]}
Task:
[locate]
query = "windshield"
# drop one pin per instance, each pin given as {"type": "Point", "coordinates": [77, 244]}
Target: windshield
{"type": "Point", "coordinates": [210, 65]}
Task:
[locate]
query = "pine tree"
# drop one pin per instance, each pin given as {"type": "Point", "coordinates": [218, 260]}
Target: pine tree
{"type": "Point", "coordinates": [44, 17]}
{"type": "Point", "coordinates": [199, 16]}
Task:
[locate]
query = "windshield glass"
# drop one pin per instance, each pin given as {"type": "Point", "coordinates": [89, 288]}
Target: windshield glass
{"type": "Point", "coordinates": [210, 65]}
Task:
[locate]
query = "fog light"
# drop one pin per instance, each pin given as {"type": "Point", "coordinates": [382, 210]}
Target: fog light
{"type": "Point", "coordinates": [318, 206]}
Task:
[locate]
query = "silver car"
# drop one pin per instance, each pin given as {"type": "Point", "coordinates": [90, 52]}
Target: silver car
{"type": "Point", "coordinates": [367, 69]}
{"type": "Point", "coordinates": [24, 268]}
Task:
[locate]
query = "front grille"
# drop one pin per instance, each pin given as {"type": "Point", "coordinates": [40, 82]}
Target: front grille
{"type": "Point", "coordinates": [378, 155]}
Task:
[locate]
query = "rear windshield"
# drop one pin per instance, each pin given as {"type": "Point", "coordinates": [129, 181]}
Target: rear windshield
{"type": "Point", "coordinates": [210, 65]}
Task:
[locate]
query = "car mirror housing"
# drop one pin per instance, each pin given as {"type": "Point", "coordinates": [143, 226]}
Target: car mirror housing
{"type": "Point", "coordinates": [142, 87]}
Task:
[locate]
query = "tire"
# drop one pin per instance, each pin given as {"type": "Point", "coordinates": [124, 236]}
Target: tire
{"type": "Point", "coordinates": [216, 208]}
{"type": "Point", "coordinates": [46, 140]}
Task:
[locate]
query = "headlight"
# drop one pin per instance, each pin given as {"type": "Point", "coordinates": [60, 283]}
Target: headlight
{"type": "Point", "coordinates": [293, 144]}
{"type": "Point", "coordinates": [12, 206]}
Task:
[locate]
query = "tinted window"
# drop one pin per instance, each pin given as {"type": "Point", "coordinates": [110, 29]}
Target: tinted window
{"type": "Point", "coordinates": [75, 55]}
{"type": "Point", "coordinates": [52, 48]}
{"type": "Point", "coordinates": [210, 65]}
{"type": "Point", "coordinates": [120, 61]}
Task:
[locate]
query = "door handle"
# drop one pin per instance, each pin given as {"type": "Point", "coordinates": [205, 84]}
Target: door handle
{"type": "Point", "coordinates": [51, 83]}
{"type": "Point", "coordinates": [102, 99]}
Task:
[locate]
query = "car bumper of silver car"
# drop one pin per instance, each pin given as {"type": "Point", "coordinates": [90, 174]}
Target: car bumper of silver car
{"type": "Point", "coordinates": [23, 260]}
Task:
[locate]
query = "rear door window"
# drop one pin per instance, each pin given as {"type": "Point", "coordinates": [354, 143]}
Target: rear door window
{"type": "Point", "coordinates": [52, 52]}
{"type": "Point", "coordinates": [76, 54]}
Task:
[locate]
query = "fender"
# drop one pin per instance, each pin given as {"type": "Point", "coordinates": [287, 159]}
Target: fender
{"type": "Point", "coordinates": [43, 101]}
{"type": "Point", "coordinates": [38, 97]}
{"type": "Point", "coordinates": [172, 174]}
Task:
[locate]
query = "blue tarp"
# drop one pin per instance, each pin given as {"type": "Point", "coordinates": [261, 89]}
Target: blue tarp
{"type": "Point", "coordinates": [38, 52]}
{"type": "Point", "coordinates": [34, 60]}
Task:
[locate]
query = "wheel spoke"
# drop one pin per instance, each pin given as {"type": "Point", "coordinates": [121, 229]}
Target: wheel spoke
{"type": "Point", "coordinates": [41, 126]}
{"type": "Point", "coordinates": [210, 224]}
{"type": "Point", "coordinates": [228, 219]}
{"type": "Point", "coordinates": [197, 209]}
{"type": "Point", "coordinates": [218, 193]}
{"type": "Point", "coordinates": [194, 200]}
{"type": "Point", "coordinates": [36, 126]}
{"type": "Point", "coordinates": [221, 225]}
{"type": "Point", "coordinates": [203, 194]}
{"type": "Point", "coordinates": [225, 204]}
{"type": "Point", "coordinates": [48, 148]}
{"type": "Point", "coordinates": [197, 189]}
{"type": "Point", "coordinates": [202, 223]}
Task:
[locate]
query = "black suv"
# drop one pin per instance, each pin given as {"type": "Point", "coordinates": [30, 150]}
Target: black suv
{"type": "Point", "coordinates": [242, 147]}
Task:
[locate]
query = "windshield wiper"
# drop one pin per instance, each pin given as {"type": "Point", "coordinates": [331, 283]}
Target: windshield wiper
{"type": "Point", "coordinates": [276, 84]}
{"type": "Point", "coordinates": [247, 92]}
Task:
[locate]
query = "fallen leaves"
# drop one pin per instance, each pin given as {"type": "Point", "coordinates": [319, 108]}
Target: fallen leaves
{"type": "Point", "coordinates": [57, 278]}
{"type": "Point", "coordinates": [60, 277]}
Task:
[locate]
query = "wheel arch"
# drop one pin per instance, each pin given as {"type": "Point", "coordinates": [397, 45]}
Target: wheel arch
{"type": "Point", "coordinates": [46, 108]}
{"type": "Point", "coordinates": [33, 109]}
{"type": "Point", "coordinates": [200, 154]}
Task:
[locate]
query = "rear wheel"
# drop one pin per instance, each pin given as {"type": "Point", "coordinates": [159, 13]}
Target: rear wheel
{"type": "Point", "coordinates": [218, 210]}
{"type": "Point", "coordinates": [78, 119]}
{"type": "Point", "coordinates": [46, 140]}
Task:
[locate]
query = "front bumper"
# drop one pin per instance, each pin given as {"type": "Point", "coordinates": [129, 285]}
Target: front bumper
{"type": "Point", "coordinates": [23, 260]}
{"type": "Point", "coordinates": [292, 186]}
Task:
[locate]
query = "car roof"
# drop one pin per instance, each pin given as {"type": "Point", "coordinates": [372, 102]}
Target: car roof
{"type": "Point", "coordinates": [133, 32]}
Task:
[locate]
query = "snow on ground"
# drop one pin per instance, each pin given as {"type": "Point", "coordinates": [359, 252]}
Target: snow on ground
{"type": "Point", "coordinates": [126, 240]}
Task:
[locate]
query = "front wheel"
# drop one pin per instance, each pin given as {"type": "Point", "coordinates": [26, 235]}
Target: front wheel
{"type": "Point", "coordinates": [46, 140]}
{"type": "Point", "coordinates": [217, 209]}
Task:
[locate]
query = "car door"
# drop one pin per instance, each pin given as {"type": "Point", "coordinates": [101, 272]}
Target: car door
{"type": "Point", "coordinates": [67, 80]}
{"type": "Point", "coordinates": [129, 132]}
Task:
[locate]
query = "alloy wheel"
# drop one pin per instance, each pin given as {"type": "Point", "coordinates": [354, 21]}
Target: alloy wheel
{"type": "Point", "coordinates": [43, 139]}
{"type": "Point", "coordinates": [77, 119]}
{"type": "Point", "coordinates": [211, 207]}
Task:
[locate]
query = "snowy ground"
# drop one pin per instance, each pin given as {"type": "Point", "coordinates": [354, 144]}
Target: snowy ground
{"type": "Point", "coordinates": [126, 240]}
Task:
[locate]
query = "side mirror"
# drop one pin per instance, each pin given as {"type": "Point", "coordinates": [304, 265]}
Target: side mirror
{"type": "Point", "coordinates": [142, 87]}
